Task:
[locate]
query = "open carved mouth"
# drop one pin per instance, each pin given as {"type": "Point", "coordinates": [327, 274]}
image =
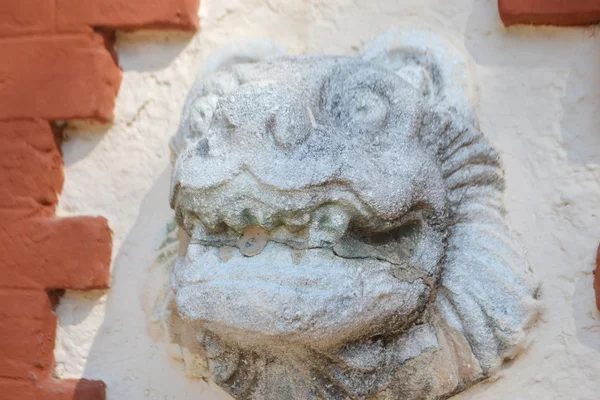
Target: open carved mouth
{"type": "Point", "coordinates": [327, 282]}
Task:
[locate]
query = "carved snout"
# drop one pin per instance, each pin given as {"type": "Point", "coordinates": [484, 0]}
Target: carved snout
{"type": "Point", "coordinates": [267, 108]}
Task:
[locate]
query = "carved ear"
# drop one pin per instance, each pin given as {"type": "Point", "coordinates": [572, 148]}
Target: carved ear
{"type": "Point", "coordinates": [431, 63]}
{"type": "Point", "coordinates": [213, 81]}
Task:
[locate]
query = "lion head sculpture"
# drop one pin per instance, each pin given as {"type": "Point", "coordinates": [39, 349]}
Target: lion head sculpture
{"type": "Point", "coordinates": [347, 236]}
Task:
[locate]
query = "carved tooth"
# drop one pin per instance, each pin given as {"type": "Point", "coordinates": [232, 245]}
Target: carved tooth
{"type": "Point", "coordinates": [204, 231]}
{"type": "Point", "coordinates": [211, 221]}
{"type": "Point", "coordinates": [296, 221]}
{"type": "Point", "coordinates": [226, 252]}
{"type": "Point", "coordinates": [253, 241]}
{"type": "Point", "coordinates": [297, 256]}
{"type": "Point", "coordinates": [328, 225]}
{"type": "Point", "coordinates": [235, 220]}
{"type": "Point", "coordinates": [184, 241]}
{"type": "Point", "coordinates": [254, 216]}
{"type": "Point", "coordinates": [294, 239]}
{"type": "Point", "coordinates": [199, 231]}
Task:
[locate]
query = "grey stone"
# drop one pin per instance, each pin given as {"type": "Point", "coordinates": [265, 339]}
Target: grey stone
{"type": "Point", "coordinates": [348, 238]}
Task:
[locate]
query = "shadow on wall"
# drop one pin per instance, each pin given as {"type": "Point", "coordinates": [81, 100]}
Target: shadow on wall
{"type": "Point", "coordinates": [90, 133]}
{"type": "Point", "coordinates": [147, 51]}
{"type": "Point", "coordinates": [132, 365]}
{"type": "Point", "coordinates": [510, 48]}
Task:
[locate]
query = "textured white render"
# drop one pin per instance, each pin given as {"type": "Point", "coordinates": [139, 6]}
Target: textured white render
{"type": "Point", "coordinates": [535, 93]}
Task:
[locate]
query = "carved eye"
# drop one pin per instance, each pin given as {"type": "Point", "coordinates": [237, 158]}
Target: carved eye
{"type": "Point", "coordinates": [354, 103]}
{"type": "Point", "coordinates": [366, 109]}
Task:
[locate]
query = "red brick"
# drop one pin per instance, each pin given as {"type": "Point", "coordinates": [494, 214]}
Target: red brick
{"type": "Point", "coordinates": [82, 389]}
{"type": "Point", "coordinates": [549, 12]}
{"type": "Point", "coordinates": [17, 389]}
{"type": "Point", "coordinates": [57, 78]}
{"type": "Point", "coordinates": [65, 253]}
{"type": "Point", "coordinates": [27, 345]}
{"type": "Point", "coordinates": [27, 332]}
{"type": "Point", "coordinates": [51, 389]}
{"type": "Point", "coordinates": [31, 172]}
{"type": "Point", "coordinates": [23, 303]}
{"type": "Point", "coordinates": [18, 17]}
{"type": "Point", "coordinates": [77, 15]}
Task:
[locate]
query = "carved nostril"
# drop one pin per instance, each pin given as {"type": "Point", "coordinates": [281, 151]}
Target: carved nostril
{"type": "Point", "coordinates": [290, 124]}
{"type": "Point", "coordinates": [202, 147]}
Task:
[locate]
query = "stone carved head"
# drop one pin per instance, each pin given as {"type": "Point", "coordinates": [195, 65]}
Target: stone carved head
{"type": "Point", "coordinates": [347, 236]}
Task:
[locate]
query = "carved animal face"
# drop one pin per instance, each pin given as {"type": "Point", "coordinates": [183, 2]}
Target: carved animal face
{"type": "Point", "coordinates": [344, 217]}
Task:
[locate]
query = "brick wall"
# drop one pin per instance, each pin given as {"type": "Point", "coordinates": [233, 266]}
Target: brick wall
{"type": "Point", "coordinates": [56, 63]}
{"type": "Point", "coordinates": [549, 12]}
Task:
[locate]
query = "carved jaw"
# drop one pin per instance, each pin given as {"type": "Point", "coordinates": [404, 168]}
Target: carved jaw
{"type": "Point", "coordinates": [317, 300]}
{"type": "Point", "coordinates": [323, 284]}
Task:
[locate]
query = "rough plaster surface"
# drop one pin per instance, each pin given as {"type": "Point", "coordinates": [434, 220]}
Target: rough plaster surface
{"type": "Point", "coordinates": [538, 105]}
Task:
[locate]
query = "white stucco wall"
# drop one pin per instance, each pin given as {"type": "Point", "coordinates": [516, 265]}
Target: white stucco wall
{"type": "Point", "coordinates": [539, 91]}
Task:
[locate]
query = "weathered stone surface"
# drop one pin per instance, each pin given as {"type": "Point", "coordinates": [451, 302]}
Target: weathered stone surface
{"type": "Point", "coordinates": [388, 271]}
